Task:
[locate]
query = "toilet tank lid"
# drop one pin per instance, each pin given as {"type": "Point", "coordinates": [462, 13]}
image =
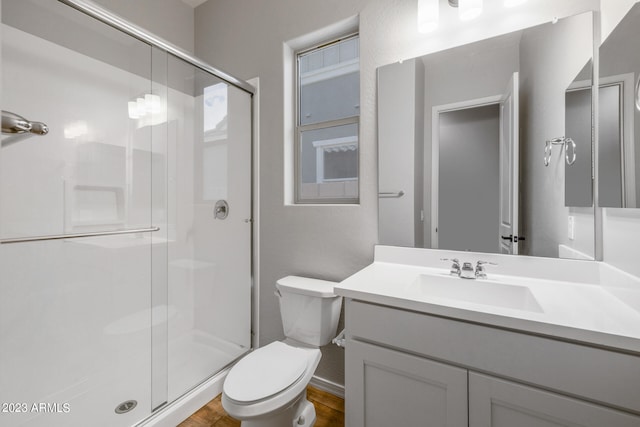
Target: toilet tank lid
{"type": "Point", "coordinates": [307, 286]}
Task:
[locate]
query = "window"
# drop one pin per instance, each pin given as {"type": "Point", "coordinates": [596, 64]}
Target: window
{"type": "Point", "coordinates": [327, 122]}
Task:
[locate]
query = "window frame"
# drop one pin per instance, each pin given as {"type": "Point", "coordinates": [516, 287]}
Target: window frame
{"type": "Point", "coordinates": [299, 128]}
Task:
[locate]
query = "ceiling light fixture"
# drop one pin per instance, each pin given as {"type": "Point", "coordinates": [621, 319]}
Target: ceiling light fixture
{"type": "Point", "coordinates": [428, 15]}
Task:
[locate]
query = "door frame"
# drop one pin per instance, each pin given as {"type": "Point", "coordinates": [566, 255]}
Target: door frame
{"type": "Point", "coordinates": [626, 82]}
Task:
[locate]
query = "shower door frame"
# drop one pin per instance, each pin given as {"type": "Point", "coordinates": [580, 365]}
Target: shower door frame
{"type": "Point", "coordinates": [178, 407]}
{"type": "Point", "coordinates": [139, 33]}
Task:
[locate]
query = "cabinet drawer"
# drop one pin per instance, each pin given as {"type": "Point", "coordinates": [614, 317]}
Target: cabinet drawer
{"type": "Point", "coordinates": [596, 374]}
{"type": "Point", "coordinates": [500, 403]}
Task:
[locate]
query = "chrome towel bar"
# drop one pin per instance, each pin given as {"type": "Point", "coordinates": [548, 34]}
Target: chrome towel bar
{"type": "Point", "coordinates": [78, 235]}
{"type": "Point", "coordinates": [390, 194]}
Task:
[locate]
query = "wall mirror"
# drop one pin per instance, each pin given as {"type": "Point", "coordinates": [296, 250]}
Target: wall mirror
{"type": "Point", "coordinates": [619, 111]}
{"type": "Point", "coordinates": [463, 137]}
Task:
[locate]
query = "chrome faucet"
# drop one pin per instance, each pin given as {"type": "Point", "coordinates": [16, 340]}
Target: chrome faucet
{"type": "Point", "coordinates": [467, 271]}
{"type": "Point", "coordinates": [481, 273]}
{"type": "Point", "coordinates": [455, 267]}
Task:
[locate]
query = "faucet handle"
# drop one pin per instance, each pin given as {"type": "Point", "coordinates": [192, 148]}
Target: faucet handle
{"type": "Point", "coordinates": [455, 267]}
{"type": "Point", "coordinates": [480, 271]}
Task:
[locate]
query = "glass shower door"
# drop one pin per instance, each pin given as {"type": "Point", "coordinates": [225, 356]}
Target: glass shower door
{"type": "Point", "coordinates": [75, 313]}
{"type": "Point", "coordinates": [125, 222]}
{"type": "Point", "coordinates": [209, 225]}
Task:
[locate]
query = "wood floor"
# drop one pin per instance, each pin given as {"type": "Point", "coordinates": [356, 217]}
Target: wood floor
{"type": "Point", "coordinates": [329, 412]}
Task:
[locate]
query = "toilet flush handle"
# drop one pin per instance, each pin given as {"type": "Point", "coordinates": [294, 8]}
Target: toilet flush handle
{"type": "Point", "coordinates": [277, 293]}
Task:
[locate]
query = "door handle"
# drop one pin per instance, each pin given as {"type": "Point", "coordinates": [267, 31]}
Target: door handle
{"type": "Point", "coordinates": [512, 238]}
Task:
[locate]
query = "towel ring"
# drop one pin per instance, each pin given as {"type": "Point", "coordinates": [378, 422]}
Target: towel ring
{"type": "Point", "coordinates": [565, 142]}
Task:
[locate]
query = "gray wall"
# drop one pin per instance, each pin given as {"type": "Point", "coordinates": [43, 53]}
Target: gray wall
{"type": "Point", "coordinates": [450, 79]}
{"type": "Point", "coordinates": [541, 86]}
{"type": "Point", "coordinates": [246, 38]}
{"type": "Point", "coordinates": [618, 55]}
{"type": "Point", "coordinates": [324, 242]}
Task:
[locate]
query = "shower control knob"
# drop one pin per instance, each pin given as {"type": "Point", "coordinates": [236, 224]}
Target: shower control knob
{"type": "Point", "coordinates": [221, 210]}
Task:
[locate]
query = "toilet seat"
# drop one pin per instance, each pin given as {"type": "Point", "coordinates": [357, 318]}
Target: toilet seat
{"type": "Point", "coordinates": [245, 410]}
{"type": "Point", "coordinates": [265, 372]}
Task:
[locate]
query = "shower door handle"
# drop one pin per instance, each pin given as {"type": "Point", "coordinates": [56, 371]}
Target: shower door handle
{"type": "Point", "coordinates": [13, 123]}
{"type": "Point", "coordinates": [19, 128]}
{"type": "Point", "coordinates": [78, 235]}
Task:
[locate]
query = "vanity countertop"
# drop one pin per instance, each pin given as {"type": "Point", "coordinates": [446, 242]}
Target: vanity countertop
{"type": "Point", "coordinates": [581, 301]}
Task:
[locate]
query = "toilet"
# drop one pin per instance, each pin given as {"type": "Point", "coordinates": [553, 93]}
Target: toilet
{"type": "Point", "coordinates": [267, 388]}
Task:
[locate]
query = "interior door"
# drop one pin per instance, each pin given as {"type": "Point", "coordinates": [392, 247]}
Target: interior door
{"type": "Point", "coordinates": [509, 173]}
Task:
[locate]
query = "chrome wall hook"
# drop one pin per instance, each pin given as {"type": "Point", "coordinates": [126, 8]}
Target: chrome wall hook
{"type": "Point", "coordinates": [565, 142]}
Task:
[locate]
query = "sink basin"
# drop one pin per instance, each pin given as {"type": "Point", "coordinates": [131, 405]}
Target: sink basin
{"type": "Point", "coordinates": [484, 292]}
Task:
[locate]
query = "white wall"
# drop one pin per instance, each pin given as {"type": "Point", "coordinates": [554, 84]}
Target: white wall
{"type": "Point", "coordinates": [246, 38]}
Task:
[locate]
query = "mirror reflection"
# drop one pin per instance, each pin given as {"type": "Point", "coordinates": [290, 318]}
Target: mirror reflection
{"type": "Point", "coordinates": [578, 185]}
{"type": "Point", "coordinates": [619, 110]}
{"type": "Point", "coordinates": [462, 135]}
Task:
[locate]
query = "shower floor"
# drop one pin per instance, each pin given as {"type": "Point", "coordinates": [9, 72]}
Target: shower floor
{"type": "Point", "coordinates": [193, 358]}
{"type": "Point", "coordinates": [196, 356]}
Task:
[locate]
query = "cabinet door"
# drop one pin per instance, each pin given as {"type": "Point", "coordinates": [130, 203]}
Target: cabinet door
{"type": "Point", "coordinates": [388, 388]}
{"type": "Point", "coordinates": [499, 403]}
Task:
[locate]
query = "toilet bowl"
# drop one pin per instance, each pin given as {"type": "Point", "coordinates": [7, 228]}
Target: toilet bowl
{"type": "Point", "coordinates": [267, 388]}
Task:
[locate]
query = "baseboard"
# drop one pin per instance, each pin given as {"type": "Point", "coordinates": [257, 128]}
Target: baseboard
{"type": "Point", "coordinates": [328, 386]}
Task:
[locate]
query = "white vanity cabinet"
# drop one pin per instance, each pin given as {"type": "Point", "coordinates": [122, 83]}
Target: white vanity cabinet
{"type": "Point", "coordinates": [406, 368]}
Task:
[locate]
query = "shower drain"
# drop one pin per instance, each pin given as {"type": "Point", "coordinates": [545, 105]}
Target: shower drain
{"type": "Point", "coordinates": [125, 407]}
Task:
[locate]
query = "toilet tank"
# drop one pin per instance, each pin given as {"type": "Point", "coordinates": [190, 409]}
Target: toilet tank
{"type": "Point", "coordinates": [309, 309]}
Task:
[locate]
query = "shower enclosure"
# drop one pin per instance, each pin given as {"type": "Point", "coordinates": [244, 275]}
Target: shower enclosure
{"type": "Point", "coordinates": [125, 228]}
